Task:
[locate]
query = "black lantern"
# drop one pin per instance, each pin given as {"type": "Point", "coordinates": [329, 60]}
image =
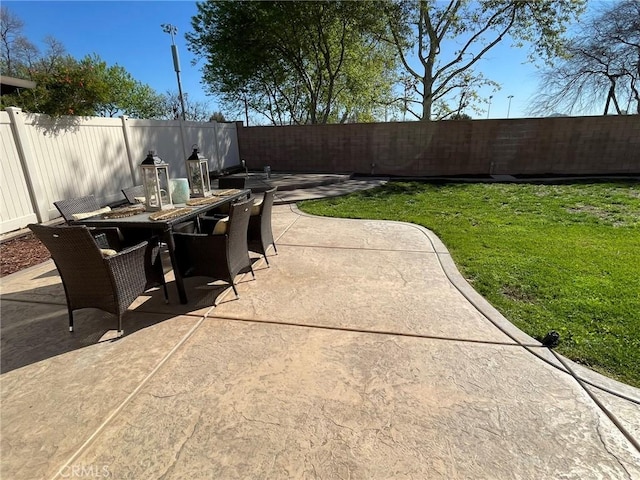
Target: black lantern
{"type": "Point", "coordinates": [198, 168]}
{"type": "Point", "coordinates": [155, 179]}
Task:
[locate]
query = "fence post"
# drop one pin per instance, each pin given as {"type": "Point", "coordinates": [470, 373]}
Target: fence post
{"type": "Point", "coordinates": [25, 152]}
{"type": "Point", "coordinates": [127, 144]}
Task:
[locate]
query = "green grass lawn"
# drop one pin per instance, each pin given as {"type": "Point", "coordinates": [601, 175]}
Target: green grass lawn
{"type": "Point", "coordinates": [549, 257]}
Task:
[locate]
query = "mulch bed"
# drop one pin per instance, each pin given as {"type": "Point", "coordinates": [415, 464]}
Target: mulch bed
{"type": "Point", "coordinates": [20, 253]}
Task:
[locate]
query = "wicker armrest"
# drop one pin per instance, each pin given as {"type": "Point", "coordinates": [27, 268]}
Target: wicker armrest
{"type": "Point", "coordinates": [134, 251]}
{"type": "Point", "coordinates": [128, 273]}
{"type": "Point", "coordinates": [141, 262]}
{"type": "Point", "coordinates": [137, 246]}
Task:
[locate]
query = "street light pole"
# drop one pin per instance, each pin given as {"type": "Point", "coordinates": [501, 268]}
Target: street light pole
{"type": "Point", "coordinates": [509, 107]}
{"type": "Point", "coordinates": [489, 108]}
{"type": "Point", "coordinates": [246, 105]}
{"type": "Point", "coordinates": [172, 30]}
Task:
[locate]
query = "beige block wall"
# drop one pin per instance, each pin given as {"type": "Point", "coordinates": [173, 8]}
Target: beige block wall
{"type": "Point", "coordinates": [536, 146]}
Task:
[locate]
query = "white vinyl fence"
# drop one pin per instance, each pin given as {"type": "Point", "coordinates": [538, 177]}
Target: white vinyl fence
{"type": "Point", "coordinates": [47, 159]}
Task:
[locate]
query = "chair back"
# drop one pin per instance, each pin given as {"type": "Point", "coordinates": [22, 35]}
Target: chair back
{"type": "Point", "coordinates": [238, 248]}
{"type": "Point", "coordinates": [260, 233]}
{"type": "Point", "coordinates": [78, 260]}
{"type": "Point", "coordinates": [130, 193]}
{"type": "Point", "coordinates": [267, 205]}
{"type": "Point", "coordinates": [232, 182]}
{"type": "Point", "coordinates": [220, 256]}
{"type": "Point", "coordinates": [265, 216]}
{"type": "Point", "coordinates": [239, 214]}
{"type": "Point", "coordinates": [76, 205]}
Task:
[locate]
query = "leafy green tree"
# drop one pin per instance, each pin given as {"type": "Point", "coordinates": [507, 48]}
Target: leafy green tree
{"type": "Point", "coordinates": [217, 117]}
{"type": "Point", "coordinates": [87, 87]}
{"type": "Point", "coordinates": [129, 97]}
{"type": "Point", "coordinates": [429, 30]}
{"type": "Point", "coordinates": [63, 85]}
{"type": "Point", "coordinates": [296, 62]}
{"type": "Point", "coordinates": [66, 86]}
{"type": "Point", "coordinates": [602, 66]}
{"type": "Point", "coordinates": [460, 116]}
{"type": "Point", "coordinates": [195, 111]}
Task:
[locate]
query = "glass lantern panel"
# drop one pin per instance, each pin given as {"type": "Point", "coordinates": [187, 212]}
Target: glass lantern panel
{"type": "Point", "coordinates": [151, 187]}
{"type": "Point", "coordinates": [204, 169]}
{"type": "Point", "coordinates": [163, 182]}
{"type": "Point", "coordinates": [196, 178]}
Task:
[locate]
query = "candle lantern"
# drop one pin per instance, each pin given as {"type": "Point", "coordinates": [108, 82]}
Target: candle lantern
{"type": "Point", "coordinates": [155, 179]}
{"type": "Point", "coordinates": [198, 168]}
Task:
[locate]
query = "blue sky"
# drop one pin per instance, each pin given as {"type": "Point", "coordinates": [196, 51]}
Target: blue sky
{"type": "Point", "coordinates": [128, 33]}
{"type": "Point", "coordinates": [124, 32]}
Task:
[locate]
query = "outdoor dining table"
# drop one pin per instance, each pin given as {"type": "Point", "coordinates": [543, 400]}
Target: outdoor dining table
{"type": "Point", "coordinates": [164, 227]}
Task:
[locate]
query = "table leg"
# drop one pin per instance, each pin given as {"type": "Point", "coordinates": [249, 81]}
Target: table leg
{"type": "Point", "coordinates": [171, 246]}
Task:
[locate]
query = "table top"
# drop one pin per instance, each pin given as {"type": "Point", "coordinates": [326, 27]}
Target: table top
{"type": "Point", "coordinates": [142, 220]}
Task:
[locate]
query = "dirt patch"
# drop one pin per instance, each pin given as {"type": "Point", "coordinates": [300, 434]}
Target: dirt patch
{"type": "Point", "coordinates": [516, 293]}
{"type": "Point", "coordinates": [616, 216]}
{"type": "Point", "coordinates": [600, 213]}
{"type": "Point", "coordinates": [20, 253]}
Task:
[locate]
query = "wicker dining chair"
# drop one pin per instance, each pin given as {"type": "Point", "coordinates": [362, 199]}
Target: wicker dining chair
{"type": "Point", "coordinates": [130, 193]}
{"type": "Point", "coordinates": [97, 278]}
{"type": "Point", "coordinates": [107, 237]}
{"type": "Point", "coordinates": [221, 256]}
{"type": "Point", "coordinates": [117, 238]}
{"type": "Point", "coordinates": [260, 234]}
{"type": "Point", "coordinates": [71, 206]}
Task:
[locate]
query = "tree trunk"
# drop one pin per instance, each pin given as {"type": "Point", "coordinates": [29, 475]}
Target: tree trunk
{"type": "Point", "coordinates": [427, 88]}
{"type": "Point", "coordinates": [427, 104]}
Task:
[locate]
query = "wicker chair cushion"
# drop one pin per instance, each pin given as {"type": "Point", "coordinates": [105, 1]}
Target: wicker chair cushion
{"type": "Point", "coordinates": [255, 210]}
{"type": "Point", "coordinates": [108, 252]}
{"type": "Point", "coordinates": [221, 226]}
{"type": "Point", "coordinates": [83, 215]}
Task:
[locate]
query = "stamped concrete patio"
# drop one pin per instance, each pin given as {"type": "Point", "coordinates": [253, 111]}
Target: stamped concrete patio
{"type": "Point", "coordinates": [360, 353]}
